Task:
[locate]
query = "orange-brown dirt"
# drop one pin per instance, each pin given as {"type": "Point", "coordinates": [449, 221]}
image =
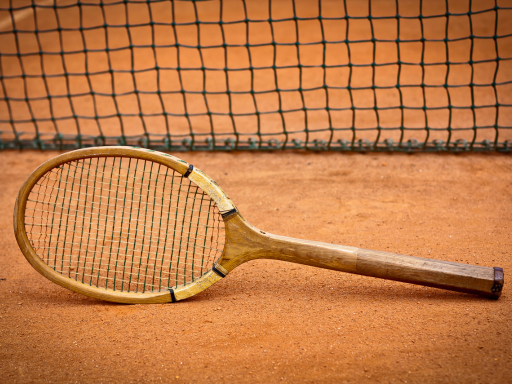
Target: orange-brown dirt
{"type": "Point", "coordinates": [270, 321]}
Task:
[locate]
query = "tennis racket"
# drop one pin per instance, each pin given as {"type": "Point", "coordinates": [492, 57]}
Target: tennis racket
{"type": "Point", "coordinates": [133, 225]}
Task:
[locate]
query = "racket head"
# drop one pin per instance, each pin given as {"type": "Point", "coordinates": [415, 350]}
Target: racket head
{"type": "Point", "coordinates": [123, 224]}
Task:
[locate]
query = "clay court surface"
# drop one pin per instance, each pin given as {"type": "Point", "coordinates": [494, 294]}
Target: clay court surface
{"type": "Point", "coordinates": [271, 321]}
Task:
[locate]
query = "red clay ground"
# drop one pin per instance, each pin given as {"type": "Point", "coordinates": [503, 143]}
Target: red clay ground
{"type": "Point", "coordinates": [276, 322]}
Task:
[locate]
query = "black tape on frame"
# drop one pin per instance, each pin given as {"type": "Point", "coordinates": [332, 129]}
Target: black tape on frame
{"type": "Point", "coordinates": [218, 272]}
{"type": "Point", "coordinates": [189, 170]}
{"type": "Point", "coordinates": [173, 298]}
{"type": "Point", "coordinates": [228, 213]}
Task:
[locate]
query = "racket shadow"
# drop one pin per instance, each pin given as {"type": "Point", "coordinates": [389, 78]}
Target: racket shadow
{"type": "Point", "coordinates": [361, 288]}
{"type": "Point", "coordinates": [277, 292]}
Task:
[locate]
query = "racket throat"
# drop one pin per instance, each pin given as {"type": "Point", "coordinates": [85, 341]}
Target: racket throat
{"type": "Point", "coordinates": [245, 242]}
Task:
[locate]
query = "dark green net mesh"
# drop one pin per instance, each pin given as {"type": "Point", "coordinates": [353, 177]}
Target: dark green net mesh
{"type": "Point", "coordinates": [205, 75]}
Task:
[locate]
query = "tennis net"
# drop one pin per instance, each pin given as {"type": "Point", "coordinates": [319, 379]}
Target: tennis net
{"type": "Point", "coordinates": [257, 75]}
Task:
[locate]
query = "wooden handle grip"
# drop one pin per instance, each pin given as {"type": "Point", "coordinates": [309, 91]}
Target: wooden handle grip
{"type": "Point", "coordinates": [483, 281]}
{"type": "Point", "coordinates": [459, 277]}
{"type": "Point", "coordinates": [244, 243]}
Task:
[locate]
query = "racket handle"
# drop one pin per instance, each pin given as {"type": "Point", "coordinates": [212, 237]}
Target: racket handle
{"type": "Point", "coordinates": [483, 281]}
{"type": "Point", "coordinates": [245, 242]}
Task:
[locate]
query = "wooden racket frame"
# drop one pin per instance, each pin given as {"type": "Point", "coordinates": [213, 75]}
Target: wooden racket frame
{"type": "Point", "coordinates": [244, 242]}
{"type": "Point", "coordinates": [182, 292]}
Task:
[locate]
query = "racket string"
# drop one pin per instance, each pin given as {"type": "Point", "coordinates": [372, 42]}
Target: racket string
{"type": "Point", "coordinates": [34, 243]}
{"type": "Point", "coordinates": [132, 260]}
{"type": "Point", "coordinates": [90, 217]}
{"type": "Point", "coordinates": [62, 190]}
{"type": "Point", "coordinates": [143, 176]}
{"type": "Point", "coordinates": [107, 217]}
{"type": "Point", "coordinates": [81, 227]}
{"type": "Point", "coordinates": [102, 273]}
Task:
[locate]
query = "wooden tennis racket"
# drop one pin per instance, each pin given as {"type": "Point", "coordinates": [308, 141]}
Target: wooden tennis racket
{"type": "Point", "coordinates": [133, 225]}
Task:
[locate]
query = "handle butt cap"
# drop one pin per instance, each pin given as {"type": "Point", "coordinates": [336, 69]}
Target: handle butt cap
{"type": "Point", "coordinates": [498, 283]}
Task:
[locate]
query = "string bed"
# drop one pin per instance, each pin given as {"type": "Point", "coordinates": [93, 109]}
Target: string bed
{"type": "Point", "coordinates": [125, 224]}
